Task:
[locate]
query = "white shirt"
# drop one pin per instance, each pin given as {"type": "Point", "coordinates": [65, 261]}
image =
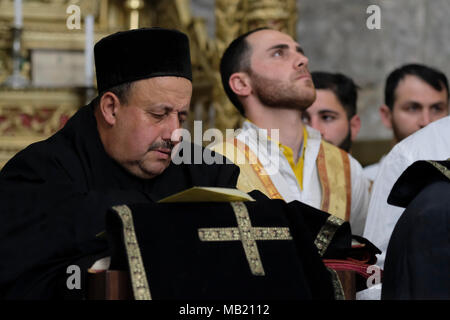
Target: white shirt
{"type": "Point", "coordinates": [371, 171]}
{"type": "Point", "coordinates": [286, 182]}
{"type": "Point", "coordinates": [429, 143]}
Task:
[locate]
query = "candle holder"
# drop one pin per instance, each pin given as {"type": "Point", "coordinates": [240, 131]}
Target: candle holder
{"type": "Point", "coordinates": [89, 57]}
{"type": "Point", "coordinates": [16, 80]}
{"type": "Point", "coordinates": [134, 7]}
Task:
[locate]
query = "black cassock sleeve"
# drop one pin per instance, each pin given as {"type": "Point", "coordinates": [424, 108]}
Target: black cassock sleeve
{"type": "Point", "coordinates": [52, 207]}
{"type": "Point", "coordinates": [48, 223]}
{"type": "Point", "coordinates": [418, 256]}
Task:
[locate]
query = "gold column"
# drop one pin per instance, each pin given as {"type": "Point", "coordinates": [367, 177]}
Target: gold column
{"type": "Point", "coordinates": [276, 14]}
{"type": "Point", "coordinates": [229, 15]}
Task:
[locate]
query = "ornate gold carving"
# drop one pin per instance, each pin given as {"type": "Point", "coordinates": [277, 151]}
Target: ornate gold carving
{"type": "Point", "coordinates": [138, 276]}
{"type": "Point", "coordinates": [35, 112]}
{"type": "Point", "coordinates": [247, 234]}
{"type": "Point", "coordinates": [27, 116]}
{"type": "Point", "coordinates": [276, 14]}
{"type": "Point", "coordinates": [229, 17]}
{"type": "Point", "coordinates": [28, 121]}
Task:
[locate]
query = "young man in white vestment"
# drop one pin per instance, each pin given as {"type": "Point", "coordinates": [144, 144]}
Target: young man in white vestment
{"type": "Point", "coordinates": [265, 74]}
{"type": "Point", "coordinates": [429, 143]}
{"type": "Point", "coordinates": [413, 98]}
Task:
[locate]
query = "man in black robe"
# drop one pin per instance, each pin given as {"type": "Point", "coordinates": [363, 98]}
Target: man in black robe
{"type": "Point", "coordinates": [418, 256]}
{"type": "Point", "coordinates": [117, 150]}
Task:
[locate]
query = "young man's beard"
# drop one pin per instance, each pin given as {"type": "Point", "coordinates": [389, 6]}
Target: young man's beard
{"type": "Point", "coordinates": [347, 143]}
{"type": "Point", "coordinates": [275, 94]}
{"type": "Point", "coordinates": [398, 134]}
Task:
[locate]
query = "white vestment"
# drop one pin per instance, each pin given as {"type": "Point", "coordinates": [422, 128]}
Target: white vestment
{"type": "Point", "coordinates": [429, 143]}
{"type": "Point", "coordinates": [284, 179]}
{"type": "Point", "coordinates": [371, 171]}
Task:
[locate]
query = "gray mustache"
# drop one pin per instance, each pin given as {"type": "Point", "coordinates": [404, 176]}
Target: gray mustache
{"type": "Point", "coordinates": [161, 145]}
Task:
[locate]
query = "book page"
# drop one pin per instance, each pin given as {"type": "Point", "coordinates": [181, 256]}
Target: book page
{"type": "Point", "coordinates": [208, 194]}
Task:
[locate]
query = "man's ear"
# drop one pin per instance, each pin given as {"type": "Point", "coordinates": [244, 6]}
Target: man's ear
{"type": "Point", "coordinates": [109, 104]}
{"type": "Point", "coordinates": [355, 126]}
{"type": "Point", "coordinates": [240, 84]}
{"type": "Point", "coordinates": [386, 116]}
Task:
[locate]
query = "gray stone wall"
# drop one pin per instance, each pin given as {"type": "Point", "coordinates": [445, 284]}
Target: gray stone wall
{"type": "Point", "coordinates": [335, 37]}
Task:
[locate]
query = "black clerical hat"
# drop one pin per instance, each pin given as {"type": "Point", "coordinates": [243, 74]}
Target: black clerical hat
{"type": "Point", "coordinates": [140, 54]}
{"type": "Point", "coordinates": [415, 178]}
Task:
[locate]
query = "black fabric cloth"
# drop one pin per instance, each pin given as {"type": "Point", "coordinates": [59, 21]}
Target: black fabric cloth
{"type": "Point", "coordinates": [413, 180]}
{"type": "Point", "coordinates": [53, 199]}
{"type": "Point", "coordinates": [418, 256]}
{"type": "Point", "coordinates": [180, 266]}
{"type": "Point", "coordinates": [141, 54]}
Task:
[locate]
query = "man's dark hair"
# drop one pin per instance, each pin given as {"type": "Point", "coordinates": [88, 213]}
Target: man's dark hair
{"type": "Point", "coordinates": [342, 86]}
{"type": "Point", "coordinates": [236, 58]}
{"type": "Point", "coordinates": [433, 77]}
{"type": "Point", "coordinates": [122, 91]}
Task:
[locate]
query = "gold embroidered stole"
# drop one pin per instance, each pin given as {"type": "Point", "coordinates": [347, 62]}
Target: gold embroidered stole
{"type": "Point", "coordinates": [333, 165]}
{"type": "Point", "coordinates": [252, 175]}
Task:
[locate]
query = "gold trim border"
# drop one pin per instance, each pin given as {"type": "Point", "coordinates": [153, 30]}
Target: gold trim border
{"type": "Point", "coordinates": [323, 176]}
{"type": "Point", "coordinates": [339, 293]}
{"type": "Point", "coordinates": [348, 183]}
{"type": "Point", "coordinates": [441, 168]}
{"type": "Point", "coordinates": [334, 172]}
{"type": "Point", "coordinates": [326, 233]}
{"type": "Point", "coordinates": [263, 176]}
{"type": "Point", "coordinates": [141, 289]}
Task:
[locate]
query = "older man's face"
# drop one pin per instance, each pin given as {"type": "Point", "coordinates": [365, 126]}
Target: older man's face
{"type": "Point", "coordinates": [143, 129]}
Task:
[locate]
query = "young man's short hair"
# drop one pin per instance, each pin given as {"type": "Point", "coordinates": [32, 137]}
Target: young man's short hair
{"type": "Point", "coordinates": [342, 86]}
{"type": "Point", "coordinates": [236, 58]}
{"type": "Point", "coordinates": [433, 77]}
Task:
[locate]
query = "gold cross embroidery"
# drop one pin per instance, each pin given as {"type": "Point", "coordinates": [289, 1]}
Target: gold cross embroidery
{"type": "Point", "coordinates": [247, 234]}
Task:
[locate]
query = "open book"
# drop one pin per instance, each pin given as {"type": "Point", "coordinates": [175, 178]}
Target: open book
{"type": "Point", "coordinates": [208, 194]}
